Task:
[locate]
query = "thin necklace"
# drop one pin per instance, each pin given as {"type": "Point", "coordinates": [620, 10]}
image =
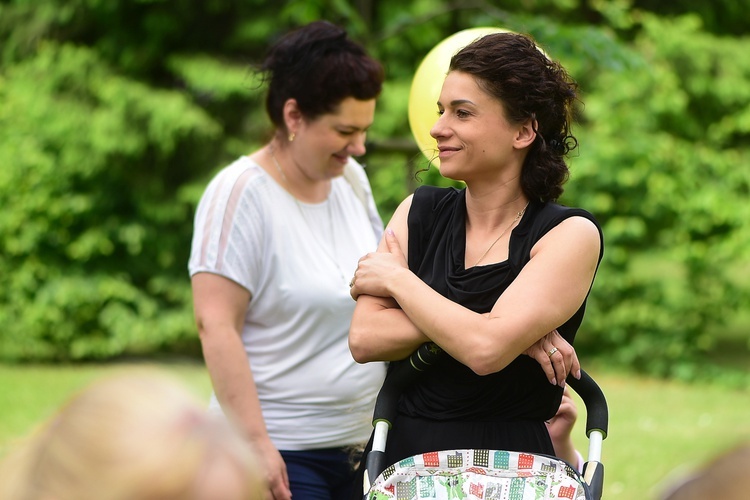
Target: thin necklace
{"type": "Point", "coordinates": [518, 216]}
{"type": "Point", "coordinates": [307, 223]}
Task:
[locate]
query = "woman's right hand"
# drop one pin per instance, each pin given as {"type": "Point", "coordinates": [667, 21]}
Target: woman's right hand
{"type": "Point", "coordinates": [276, 475]}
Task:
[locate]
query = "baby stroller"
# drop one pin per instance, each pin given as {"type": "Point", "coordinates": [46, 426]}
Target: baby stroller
{"type": "Point", "coordinates": [480, 474]}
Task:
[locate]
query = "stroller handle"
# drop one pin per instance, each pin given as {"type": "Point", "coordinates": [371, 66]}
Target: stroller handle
{"type": "Point", "coordinates": [597, 413]}
{"type": "Point", "coordinates": [404, 373]}
{"type": "Point", "coordinates": [402, 376]}
{"type": "Point", "coordinates": [429, 353]}
{"type": "Point", "coordinates": [597, 419]}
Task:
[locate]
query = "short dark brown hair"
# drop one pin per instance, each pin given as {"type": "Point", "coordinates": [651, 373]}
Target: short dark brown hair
{"type": "Point", "coordinates": [319, 66]}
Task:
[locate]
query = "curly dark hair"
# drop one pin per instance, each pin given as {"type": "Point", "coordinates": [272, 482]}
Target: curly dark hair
{"type": "Point", "coordinates": [319, 66]}
{"type": "Point", "coordinates": [510, 67]}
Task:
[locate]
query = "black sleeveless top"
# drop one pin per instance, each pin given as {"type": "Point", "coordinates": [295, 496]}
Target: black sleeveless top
{"type": "Point", "coordinates": [450, 407]}
{"type": "Point", "coordinates": [437, 242]}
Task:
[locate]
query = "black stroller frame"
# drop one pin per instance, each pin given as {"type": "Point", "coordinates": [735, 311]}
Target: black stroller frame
{"type": "Point", "coordinates": [404, 374]}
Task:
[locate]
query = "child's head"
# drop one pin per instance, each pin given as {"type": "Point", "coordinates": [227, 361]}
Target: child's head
{"type": "Point", "coordinates": [139, 435]}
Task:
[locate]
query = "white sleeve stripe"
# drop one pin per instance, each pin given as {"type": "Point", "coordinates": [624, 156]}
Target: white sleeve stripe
{"type": "Point", "coordinates": [228, 220]}
{"type": "Point", "coordinates": [208, 220]}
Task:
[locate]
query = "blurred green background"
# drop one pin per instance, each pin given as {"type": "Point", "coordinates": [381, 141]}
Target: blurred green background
{"type": "Point", "coordinates": [114, 114]}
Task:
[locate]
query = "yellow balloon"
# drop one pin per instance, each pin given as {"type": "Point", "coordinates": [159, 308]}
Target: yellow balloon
{"type": "Point", "coordinates": [427, 83]}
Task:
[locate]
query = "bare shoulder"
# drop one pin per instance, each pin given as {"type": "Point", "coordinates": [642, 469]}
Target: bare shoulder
{"type": "Point", "coordinates": [405, 205]}
{"type": "Point", "coordinates": [399, 225]}
{"type": "Point", "coordinates": [582, 227]}
{"type": "Point", "coordinates": [577, 234]}
{"type": "Point", "coordinates": [400, 216]}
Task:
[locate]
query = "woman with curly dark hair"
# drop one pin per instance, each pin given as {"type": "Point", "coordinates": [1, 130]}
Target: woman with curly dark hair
{"type": "Point", "coordinates": [487, 271]}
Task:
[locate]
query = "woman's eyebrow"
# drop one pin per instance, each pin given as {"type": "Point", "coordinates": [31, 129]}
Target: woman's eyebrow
{"type": "Point", "coordinates": [458, 102]}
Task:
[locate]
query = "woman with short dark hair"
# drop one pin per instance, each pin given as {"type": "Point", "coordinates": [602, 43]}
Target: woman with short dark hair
{"type": "Point", "coordinates": [277, 236]}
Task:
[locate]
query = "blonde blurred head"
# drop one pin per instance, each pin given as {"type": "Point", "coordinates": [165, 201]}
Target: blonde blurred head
{"type": "Point", "coordinates": [132, 436]}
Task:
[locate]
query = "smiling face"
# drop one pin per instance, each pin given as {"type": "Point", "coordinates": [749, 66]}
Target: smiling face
{"type": "Point", "coordinates": [322, 146]}
{"type": "Point", "coordinates": [474, 138]}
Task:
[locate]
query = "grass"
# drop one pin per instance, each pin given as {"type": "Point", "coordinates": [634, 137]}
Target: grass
{"type": "Point", "coordinates": [658, 429]}
{"type": "Point", "coordinates": [31, 393]}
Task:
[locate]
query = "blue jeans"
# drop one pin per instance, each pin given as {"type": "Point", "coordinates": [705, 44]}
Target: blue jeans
{"type": "Point", "coordinates": [326, 474]}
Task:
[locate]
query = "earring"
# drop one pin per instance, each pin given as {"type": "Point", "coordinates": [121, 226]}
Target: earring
{"type": "Point", "coordinates": [291, 137]}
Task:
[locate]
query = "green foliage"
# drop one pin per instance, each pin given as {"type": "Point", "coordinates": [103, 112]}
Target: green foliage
{"type": "Point", "coordinates": [114, 114]}
{"type": "Point", "coordinates": [665, 178]}
{"type": "Point", "coordinates": [95, 239]}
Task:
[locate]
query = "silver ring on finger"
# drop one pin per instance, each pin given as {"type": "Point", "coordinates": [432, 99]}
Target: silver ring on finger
{"type": "Point", "coordinates": [552, 351]}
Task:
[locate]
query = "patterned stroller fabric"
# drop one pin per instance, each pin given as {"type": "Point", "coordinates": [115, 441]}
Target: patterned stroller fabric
{"type": "Point", "coordinates": [478, 474]}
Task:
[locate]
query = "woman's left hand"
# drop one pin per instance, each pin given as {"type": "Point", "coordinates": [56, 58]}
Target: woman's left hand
{"type": "Point", "coordinates": [556, 356]}
{"type": "Point", "coordinates": [377, 269]}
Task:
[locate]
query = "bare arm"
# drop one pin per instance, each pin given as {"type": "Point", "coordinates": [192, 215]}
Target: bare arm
{"type": "Point", "coordinates": [380, 330]}
{"type": "Point", "coordinates": [547, 292]}
{"type": "Point", "coordinates": [220, 306]}
{"type": "Point", "coordinates": [560, 429]}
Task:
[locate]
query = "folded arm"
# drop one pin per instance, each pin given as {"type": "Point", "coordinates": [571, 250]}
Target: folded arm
{"type": "Point", "coordinates": [380, 330]}
{"type": "Point", "coordinates": [547, 292]}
